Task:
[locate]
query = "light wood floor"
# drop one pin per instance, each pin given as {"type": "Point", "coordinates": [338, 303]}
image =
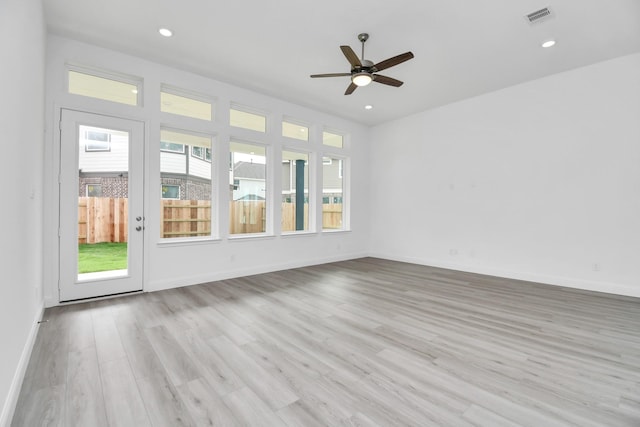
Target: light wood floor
{"type": "Point", "coordinates": [358, 343]}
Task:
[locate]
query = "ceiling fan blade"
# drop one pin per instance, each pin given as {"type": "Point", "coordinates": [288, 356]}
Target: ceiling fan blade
{"type": "Point", "coordinates": [330, 75]}
{"type": "Point", "coordinates": [350, 89]}
{"type": "Point", "coordinates": [387, 63]}
{"type": "Point", "coordinates": [387, 80]}
{"type": "Point", "coordinates": [351, 56]}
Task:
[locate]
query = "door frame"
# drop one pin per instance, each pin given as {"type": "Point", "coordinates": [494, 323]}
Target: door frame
{"type": "Point", "coordinates": [133, 281]}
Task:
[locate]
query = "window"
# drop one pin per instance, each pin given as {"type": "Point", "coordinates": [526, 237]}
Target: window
{"type": "Point", "coordinates": [171, 192]}
{"type": "Point", "coordinates": [248, 187]}
{"type": "Point", "coordinates": [197, 152]}
{"type": "Point", "coordinates": [244, 119]}
{"type": "Point", "coordinates": [203, 153]}
{"type": "Point", "coordinates": [94, 190]}
{"type": "Point", "coordinates": [186, 183]}
{"type": "Point", "coordinates": [332, 194]}
{"type": "Point", "coordinates": [295, 191]}
{"type": "Point", "coordinates": [97, 141]}
{"type": "Point", "coordinates": [175, 102]}
{"type": "Point", "coordinates": [171, 147]}
{"type": "Point", "coordinates": [332, 139]}
{"type": "Point", "coordinates": [295, 131]}
{"type": "Point", "coordinates": [106, 88]}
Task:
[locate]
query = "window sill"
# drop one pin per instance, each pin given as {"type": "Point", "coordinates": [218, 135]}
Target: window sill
{"type": "Point", "coordinates": [165, 243]}
{"type": "Point", "coordinates": [242, 237]}
{"type": "Point", "coordinates": [298, 234]}
{"type": "Point", "coordinates": [331, 231]}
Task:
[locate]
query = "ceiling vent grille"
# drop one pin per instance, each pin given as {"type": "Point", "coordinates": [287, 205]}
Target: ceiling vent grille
{"type": "Point", "coordinates": [539, 15]}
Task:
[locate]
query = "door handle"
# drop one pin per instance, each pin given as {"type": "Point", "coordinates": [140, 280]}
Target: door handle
{"type": "Point", "coordinates": [138, 218]}
{"type": "Point", "coordinates": [138, 228]}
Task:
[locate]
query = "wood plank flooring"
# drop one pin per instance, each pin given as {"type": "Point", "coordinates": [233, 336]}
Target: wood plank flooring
{"type": "Point", "coordinates": [367, 342]}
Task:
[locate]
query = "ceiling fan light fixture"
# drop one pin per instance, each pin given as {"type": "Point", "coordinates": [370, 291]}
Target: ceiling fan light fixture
{"type": "Point", "coordinates": [361, 79]}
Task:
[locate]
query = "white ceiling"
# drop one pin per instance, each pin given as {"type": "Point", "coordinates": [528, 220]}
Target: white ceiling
{"type": "Point", "coordinates": [462, 48]}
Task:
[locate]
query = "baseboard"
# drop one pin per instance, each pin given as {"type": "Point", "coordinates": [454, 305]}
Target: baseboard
{"type": "Point", "coordinates": [566, 282]}
{"type": "Point", "coordinates": [14, 392]}
{"type": "Point", "coordinates": [244, 271]}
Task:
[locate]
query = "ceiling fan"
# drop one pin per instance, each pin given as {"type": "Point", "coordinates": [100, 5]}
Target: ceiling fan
{"type": "Point", "coordinates": [364, 71]}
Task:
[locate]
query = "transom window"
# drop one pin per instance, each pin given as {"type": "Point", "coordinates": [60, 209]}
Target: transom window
{"type": "Point", "coordinates": [295, 131]}
{"type": "Point", "coordinates": [102, 86]}
{"type": "Point", "coordinates": [174, 102]}
{"type": "Point", "coordinates": [241, 118]}
{"type": "Point", "coordinates": [332, 139]}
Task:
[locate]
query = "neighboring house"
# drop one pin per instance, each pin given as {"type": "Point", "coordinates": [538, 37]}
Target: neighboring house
{"type": "Point", "coordinates": [331, 180]}
{"type": "Point", "coordinates": [185, 171]}
{"type": "Point", "coordinates": [248, 181]}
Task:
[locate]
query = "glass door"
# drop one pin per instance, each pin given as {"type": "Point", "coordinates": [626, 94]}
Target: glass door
{"type": "Point", "coordinates": [101, 205]}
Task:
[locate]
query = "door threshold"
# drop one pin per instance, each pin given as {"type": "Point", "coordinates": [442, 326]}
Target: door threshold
{"type": "Point", "coordinates": [110, 296]}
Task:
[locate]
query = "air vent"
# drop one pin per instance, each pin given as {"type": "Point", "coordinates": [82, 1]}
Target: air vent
{"type": "Point", "coordinates": [539, 15]}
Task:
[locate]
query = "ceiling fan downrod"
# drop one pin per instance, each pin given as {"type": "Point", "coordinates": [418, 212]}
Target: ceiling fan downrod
{"type": "Point", "coordinates": [363, 37]}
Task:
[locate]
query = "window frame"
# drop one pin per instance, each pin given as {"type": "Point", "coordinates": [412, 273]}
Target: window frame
{"type": "Point", "coordinates": [343, 162]}
{"type": "Point", "coordinates": [100, 145]}
{"type": "Point", "coordinates": [213, 183]}
{"type": "Point", "coordinates": [268, 208]}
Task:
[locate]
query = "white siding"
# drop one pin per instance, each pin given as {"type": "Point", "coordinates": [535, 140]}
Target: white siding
{"type": "Point", "coordinates": [115, 160]}
{"type": "Point", "coordinates": [199, 168]}
{"type": "Point", "coordinates": [173, 163]}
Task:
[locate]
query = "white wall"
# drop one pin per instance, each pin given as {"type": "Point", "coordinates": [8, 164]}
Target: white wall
{"type": "Point", "coordinates": [539, 181]}
{"type": "Point", "coordinates": [22, 46]}
{"type": "Point", "coordinates": [170, 265]}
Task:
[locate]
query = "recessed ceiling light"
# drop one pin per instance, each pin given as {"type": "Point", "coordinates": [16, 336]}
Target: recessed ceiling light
{"type": "Point", "coordinates": [548, 43]}
{"type": "Point", "coordinates": [368, 107]}
{"type": "Point", "coordinates": [165, 32]}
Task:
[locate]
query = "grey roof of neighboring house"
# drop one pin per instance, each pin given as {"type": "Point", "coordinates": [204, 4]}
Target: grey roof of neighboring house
{"type": "Point", "coordinates": [250, 197]}
{"type": "Point", "coordinates": [249, 170]}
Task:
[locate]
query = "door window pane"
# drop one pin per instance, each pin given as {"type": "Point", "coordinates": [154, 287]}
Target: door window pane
{"type": "Point", "coordinates": [295, 191]}
{"type": "Point", "coordinates": [103, 199]}
{"type": "Point", "coordinates": [332, 193]}
{"type": "Point", "coordinates": [248, 186]}
{"type": "Point", "coordinates": [186, 185]}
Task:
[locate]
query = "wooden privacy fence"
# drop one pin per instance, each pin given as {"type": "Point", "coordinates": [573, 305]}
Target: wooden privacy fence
{"type": "Point", "coordinates": [103, 219]}
{"type": "Point", "coordinates": [185, 218]}
{"type": "Point", "coordinates": [332, 216]}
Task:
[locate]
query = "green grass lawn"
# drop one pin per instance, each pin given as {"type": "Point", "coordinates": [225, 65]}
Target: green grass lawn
{"type": "Point", "coordinates": [102, 257]}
